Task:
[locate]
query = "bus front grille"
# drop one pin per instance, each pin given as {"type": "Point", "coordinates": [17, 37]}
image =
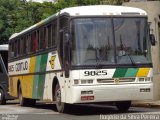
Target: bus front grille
{"type": "Point", "coordinates": [115, 80]}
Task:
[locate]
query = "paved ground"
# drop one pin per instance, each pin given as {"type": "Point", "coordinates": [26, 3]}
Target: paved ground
{"type": "Point", "coordinates": [12, 111]}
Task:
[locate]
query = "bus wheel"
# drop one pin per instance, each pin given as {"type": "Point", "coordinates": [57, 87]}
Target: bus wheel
{"type": "Point", "coordinates": [123, 106]}
{"type": "Point", "coordinates": [2, 98]}
{"type": "Point", "coordinates": [22, 100]}
{"type": "Point", "coordinates": [31, 102]}
{"type": "Point", "coordinates": [61, 107]}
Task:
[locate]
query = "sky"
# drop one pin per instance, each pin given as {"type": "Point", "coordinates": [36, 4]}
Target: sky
{"type": "Point", "coordinates": [41, 0]}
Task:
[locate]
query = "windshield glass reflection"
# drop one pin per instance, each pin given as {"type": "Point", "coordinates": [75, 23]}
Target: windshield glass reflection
{"type": "Point", "coordinates": [110, 41]}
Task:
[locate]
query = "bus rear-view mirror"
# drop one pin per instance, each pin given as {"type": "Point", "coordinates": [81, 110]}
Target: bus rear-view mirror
{"type": "Point", "coordinates": [152, 39]}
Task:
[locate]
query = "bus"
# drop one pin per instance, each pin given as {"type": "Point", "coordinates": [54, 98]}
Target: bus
{"type": "Point", "coordinates": [85, 54]}
{"type": "Point", "coordinates": [153, 13]}
{"type": "Point", "coordinates": [3, 74]}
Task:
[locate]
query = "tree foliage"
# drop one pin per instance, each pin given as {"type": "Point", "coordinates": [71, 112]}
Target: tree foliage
{"type": "Point", "coordinates": [16, 15]}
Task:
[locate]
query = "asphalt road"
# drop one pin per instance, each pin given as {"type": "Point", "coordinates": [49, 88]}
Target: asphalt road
{"type": "Point", "coordinates": [41, 111]}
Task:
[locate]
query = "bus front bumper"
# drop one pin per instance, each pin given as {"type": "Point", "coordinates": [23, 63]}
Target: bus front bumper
{"type": "Point", "coordinates": [108, 93]}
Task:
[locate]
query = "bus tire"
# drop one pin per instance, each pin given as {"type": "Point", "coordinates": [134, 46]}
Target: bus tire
{"type": "Point", "coordinates": [123, 106]}
{"type": "Point", "coordinates": [22, 100]}
{"type": "Point", "coordinates": [2, 97]}
{"type": "Point", "coordinates": [31, 102]}
{"type": "Point", "coordinates": [61, 106]}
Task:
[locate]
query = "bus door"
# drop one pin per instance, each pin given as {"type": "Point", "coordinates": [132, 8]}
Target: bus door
{"type": "Point", "coordinates": [64, 52]}
{"type": "Point", "coordinates": [64, 55]}
{"type": "Point", "coordinates": [64, 43]}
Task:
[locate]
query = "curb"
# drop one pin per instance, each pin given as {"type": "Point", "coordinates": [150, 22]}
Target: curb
{"type": "Point", "coordinates": [148, 105]}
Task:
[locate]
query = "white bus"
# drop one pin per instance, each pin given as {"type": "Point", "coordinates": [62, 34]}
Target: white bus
{"type": "Point", "coordinates": [87, 54]}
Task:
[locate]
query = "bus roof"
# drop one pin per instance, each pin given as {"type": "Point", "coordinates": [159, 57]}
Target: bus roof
{"type": "Point", "coordinates": [4, 47]}
{"type": "Point", "coordinates": [102, 10]}
{"type": "Point", "coordinates": [93, 10]}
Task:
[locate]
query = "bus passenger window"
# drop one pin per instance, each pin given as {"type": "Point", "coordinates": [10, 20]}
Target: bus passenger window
{"type": "Point", "coordinates": [27, 44]}
{"type": "Point", "coordinates": [49, 35]}
{"type": "Point", "coordinates": [34, 42]}
{"type": "Point", "coordinates": [45, 39]}
{"type": "Point", "coordinates": [21, 46]}
{"type": "Point", "coordinates": [15, 48]}
{"type": "Point", "coordinates": [37, 42]}
{"type": "Point", "coordinates": [24, 46]}
{"type": "Point", "coordinates": [54, 35]}
{"type": "Point", "coordinates": [41, 39]}
{"type": "Point", "coordinates": [18, 47]}
{"type": "Point", "coordinates": [11, 50]}
{"type": "Point", "coordinates": [31, 42]}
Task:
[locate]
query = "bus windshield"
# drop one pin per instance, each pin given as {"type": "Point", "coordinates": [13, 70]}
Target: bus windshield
{"type": "Point", "coordinates": [110, 41]}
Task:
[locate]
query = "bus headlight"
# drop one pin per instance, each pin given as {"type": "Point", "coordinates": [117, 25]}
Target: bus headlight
{"type": "Point", "coordinates": [86, 81]}
{"type": "Point", "coordinates": [147, 79]}
{"type": "Point", "coordinates": [76, 82]}
{"type": "Point", "coordinates": [82, 82]}
{"type": "Point", "coordinates": [141, 79]}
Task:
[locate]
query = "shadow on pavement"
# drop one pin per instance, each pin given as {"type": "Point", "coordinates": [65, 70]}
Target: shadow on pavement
{"type": "Point", "coordinates": [89, 109]}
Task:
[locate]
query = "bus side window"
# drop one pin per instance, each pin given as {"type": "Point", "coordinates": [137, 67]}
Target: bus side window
{"type": "Point", "coordinates": [41, 38]}
{"type": "Point", "coordinates": [38, 41]}
{"type": "Point", "coordinates": [11, 50]}
{"type": "Point", "coordinates": [32, 43]}
{"type": "Point", "coordinates": [21, 46]}
{"type": "Point", "coordinates": [35, 42]}
{"type": "Point", "coordinates": [18, 47]}
{"type": "Point", "coordinates": [28, 43]}
{"type": "Point", "coordinates": [15, 48]}
{"type": "Point", "coordinates": [24, 45]}
{"type": "Point", "coordinates": [49, 35]}
{"type": "Point", "coordinates": [54, 33]}
{"type": "Point", "coordinates": [45, 38]}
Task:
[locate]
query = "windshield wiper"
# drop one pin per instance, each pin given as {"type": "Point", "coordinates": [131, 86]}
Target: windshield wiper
{"type": "Point", "coordinates": [131, 59]}
{"type": "Point", "coordinates": [98, 61]}
{"type": "Point", "coordinates": [123, 46]}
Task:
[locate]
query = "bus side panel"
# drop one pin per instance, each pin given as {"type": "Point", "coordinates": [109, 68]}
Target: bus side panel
{"type": "Point", "coordinates": [39, 77]}
{"type": "Point", "coordinates": [27, 80]}
{"type": "Point", "coordinates": [13, 86]}
{"type": "Point", "coordinates": [36, 77]}
{"type": "Point", "coordinates": [26, 85]}
{"type": "Point", "coordinates": [54, 70]}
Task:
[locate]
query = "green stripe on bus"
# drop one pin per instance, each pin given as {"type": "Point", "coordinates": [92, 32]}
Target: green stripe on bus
{"type": "Point", "coordinates": [131, 72]}
{"type": "Point", "coordinates": [36, 77]}
{"type": "Point", "coordinates": [35, 87]}
{"type": "Point", "coordinates": [38, 63]}
{"type": "Point", "coordinates": [42, 77]}
{"type": "Point", "coordinates": [41, 86]}
{"type": "Point", "coordinates": [43, 62]}
{"type": "Point", "coordinates": [120, 72]}
{"type": "Point", "coordinates": [39, 80]}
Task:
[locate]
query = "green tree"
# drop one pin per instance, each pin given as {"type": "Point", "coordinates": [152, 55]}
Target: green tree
{"type": "Point", "coordinates": [16, 15]}
{"type": "Point", "coordinates": [6, 8]}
